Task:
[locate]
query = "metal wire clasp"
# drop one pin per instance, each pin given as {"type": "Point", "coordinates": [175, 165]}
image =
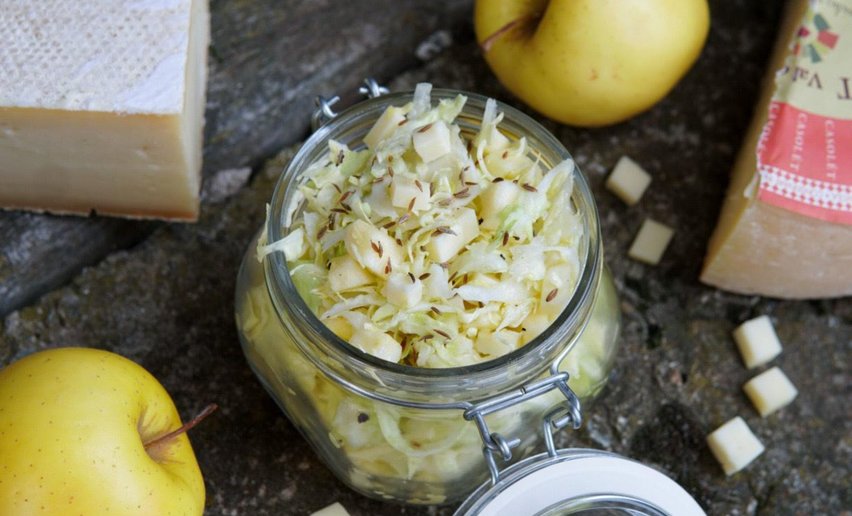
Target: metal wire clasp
{"type": "Point", "coordinates": [323, 112]}
{"type": "Point", "coordinates": [567, 412]}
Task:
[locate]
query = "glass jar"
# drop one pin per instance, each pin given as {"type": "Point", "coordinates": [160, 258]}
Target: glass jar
{"type": "Point", "coordinates": [417, 435]}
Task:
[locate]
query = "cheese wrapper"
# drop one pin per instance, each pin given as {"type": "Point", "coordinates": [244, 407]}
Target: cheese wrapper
{"type": "Point", "coordinates": [786, 226]}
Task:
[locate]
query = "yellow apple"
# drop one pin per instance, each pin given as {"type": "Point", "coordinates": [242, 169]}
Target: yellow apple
{"type": "Point", "coordinates": [591, 62]}
{"type": "Point", "coordinates": [73, 428]}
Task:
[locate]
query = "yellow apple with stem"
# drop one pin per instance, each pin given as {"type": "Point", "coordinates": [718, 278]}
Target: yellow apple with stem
{"type": "Point", "coordinates": [85, 432]}
{"type": "Point", "coordinates": [591, 62]}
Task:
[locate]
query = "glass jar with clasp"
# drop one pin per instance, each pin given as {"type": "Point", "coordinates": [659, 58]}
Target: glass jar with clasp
{"type": "Point", "coordinates": [421, 435]}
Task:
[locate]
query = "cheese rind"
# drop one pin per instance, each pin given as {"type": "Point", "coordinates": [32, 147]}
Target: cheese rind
{"type": "Point", "coordinates": [628, 181]}
{"type": "Point", "coordinates": [770, 391]}
{"type": "Point", "coordinates": [651, 242]}
{"type": "Point", "coordinates": [734, 445]}
{"type": "Point", "coordinates": [757, 341]}
{"type": "Point", "coordinates": [111, 120]}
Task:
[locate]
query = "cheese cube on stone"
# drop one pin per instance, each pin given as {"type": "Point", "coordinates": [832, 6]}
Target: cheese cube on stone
{"type": "Point", "coordinates": [628, 181]}
{"type": "Point", "coordinates": [757, 341]}
{"type": "Point", "coordinates": [384, 126]}
{"type": "Point", "coordinates": [651, 242]}
{"type": "Point", "coordinates": [102, 106]}
{"type": "Point", "coordinates": [734, 445]}
{"type": "Point", "coordinates": [770, 391]}
{"type": "Point", "coordinates": [432, 141]}
{"type": "Point", "coordinates": [334, 509]}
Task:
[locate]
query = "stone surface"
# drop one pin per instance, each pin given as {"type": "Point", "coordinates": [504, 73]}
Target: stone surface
{"type": "Point", "coordinates": [168, 303]}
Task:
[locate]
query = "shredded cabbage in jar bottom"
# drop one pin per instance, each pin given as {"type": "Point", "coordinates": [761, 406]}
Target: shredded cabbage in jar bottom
{"type": "Point", "coordinates": [415, 456]}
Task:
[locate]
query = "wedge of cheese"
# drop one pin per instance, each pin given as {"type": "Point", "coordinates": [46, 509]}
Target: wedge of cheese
{"type": "Point", "coordinates": [102, 106]}
{"type": "Point", "coordinates": [786, 226]}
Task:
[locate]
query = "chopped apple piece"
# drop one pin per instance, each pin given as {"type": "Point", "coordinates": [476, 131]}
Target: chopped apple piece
{"type": "Point", "coordinates": [345, 273]}
{"type": "Point", "coordinates": [628, 181]}
{"type": "Point", "coordinates": [403, 290]}
{"type": "Point", "coordinates": [734, 445]}
{"type": "Point", "coordinates": [650, 242]}
{"type": "Point", "coordinates": [432, 141]}
{"type": "Point", "coordinates": [457, 234]}
{"type": "Point", "coordinates": [372, 247]}
{"type": "Point", "coordinates": [495, 344]}
{"type": "Point", "coordinates": [757, 341]}
{"type": "Point", "coordinates": [377, 343]}
{"type": "Point", "coordinates": [493, 199]}
{"type": "Point", "coordinates": [384, 126]}
{"type": "Point", "coordinates": [340, 327]}
{"type": "Point", "coordinates": [770, 391]}
{"type": "Point", "coordinates": [404, 189]}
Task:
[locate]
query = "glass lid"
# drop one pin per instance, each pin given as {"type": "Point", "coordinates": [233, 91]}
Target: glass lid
{"type": "Point", "coordinates": [580, 482]}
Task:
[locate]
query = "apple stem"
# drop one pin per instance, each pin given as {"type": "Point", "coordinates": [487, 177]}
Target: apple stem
{"type": "Point", "coordinates": [488, 42]}
{"type": "Point", "coordinates": [189, 425]}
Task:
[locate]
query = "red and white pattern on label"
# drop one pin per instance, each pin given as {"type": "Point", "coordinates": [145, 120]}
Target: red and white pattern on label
{"type": "Point", "coordinates": [805, 163]}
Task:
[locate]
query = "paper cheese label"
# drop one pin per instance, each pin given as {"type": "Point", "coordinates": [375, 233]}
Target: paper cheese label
{"type": "Point", "coordinates": [804, 154]}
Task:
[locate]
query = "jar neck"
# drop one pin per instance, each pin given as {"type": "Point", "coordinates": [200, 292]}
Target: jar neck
{"type": "Point", "coordinates": [455, 387]}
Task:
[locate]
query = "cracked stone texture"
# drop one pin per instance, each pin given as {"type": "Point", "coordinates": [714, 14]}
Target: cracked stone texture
{"type": "Point", "coordinates": [168, 304]}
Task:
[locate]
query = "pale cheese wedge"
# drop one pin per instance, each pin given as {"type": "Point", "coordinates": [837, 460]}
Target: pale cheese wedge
{"type": "Point", "coordinates": [102, 106]}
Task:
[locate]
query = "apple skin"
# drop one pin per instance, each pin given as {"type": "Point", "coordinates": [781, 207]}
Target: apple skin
{"type": "Point", "coordinates": [592, 62]}
{"type": "Point", "coordinates": [72, 426]}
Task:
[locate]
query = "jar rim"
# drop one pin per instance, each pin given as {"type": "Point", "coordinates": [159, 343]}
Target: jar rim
{"type": "Point", "coordinates": [285, 297]}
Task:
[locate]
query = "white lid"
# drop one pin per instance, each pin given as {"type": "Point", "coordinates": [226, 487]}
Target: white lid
{"type": "Point", "coordinates": [540, 483]}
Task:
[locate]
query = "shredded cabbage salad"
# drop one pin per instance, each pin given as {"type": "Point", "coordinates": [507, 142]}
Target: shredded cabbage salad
{"type": "Point", "coordinates": [429, 247]}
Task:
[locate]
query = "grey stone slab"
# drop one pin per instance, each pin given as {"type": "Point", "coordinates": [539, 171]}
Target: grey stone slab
{"type": "Point", "coordinates": [168, 303]}
{"type": "Point", "coordinates": [268, 60]}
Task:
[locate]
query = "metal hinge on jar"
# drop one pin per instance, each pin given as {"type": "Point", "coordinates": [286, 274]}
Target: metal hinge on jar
{"type": "Point", "coordinates": [324, 112]}
{"type": "Point", "coordinates": [564, 414]}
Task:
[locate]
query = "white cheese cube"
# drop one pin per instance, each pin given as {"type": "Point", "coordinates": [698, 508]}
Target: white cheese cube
{"type": "Point", "coordinates": [372, 247]}
{"type": "Point", "coordinates": [628, 181]}
{"type": "Point", "coordinates": [757, 341]}
{"type": "Point", "coordinates": [334, 509]}
{"type": "Point", "coordinates": [377, 343]}
{"type": "Point", "coordinates": [464, 228]}
{"type": "Point", "coordinates": [402, 291]}
{"type": "Point", "coordinates": [769, 391]}
{"type": "Point", "coordinates": [384, 126]}
{"type": "Point", "coordinates": [734, 445]}
{"type": "Point", "coordinates": [651, 242]}
{"type": "Point", "coordinates": [345, 273]}
{"type": "Point", "coordinates": [494, 198]}
{"type": "Point", "coordinates": [403, 189]}
{"type": "Point", "coordinates": [432, 141]}
{"type": "Point", "coordinates": [102, 106]}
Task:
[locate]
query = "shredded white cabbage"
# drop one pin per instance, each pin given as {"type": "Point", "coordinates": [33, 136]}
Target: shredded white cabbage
{"type": "Point", "coordinates": [411, 211]}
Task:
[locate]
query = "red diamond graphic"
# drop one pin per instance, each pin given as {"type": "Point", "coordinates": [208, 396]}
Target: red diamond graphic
{"type": "Point", "coordinates": [827, 38]}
